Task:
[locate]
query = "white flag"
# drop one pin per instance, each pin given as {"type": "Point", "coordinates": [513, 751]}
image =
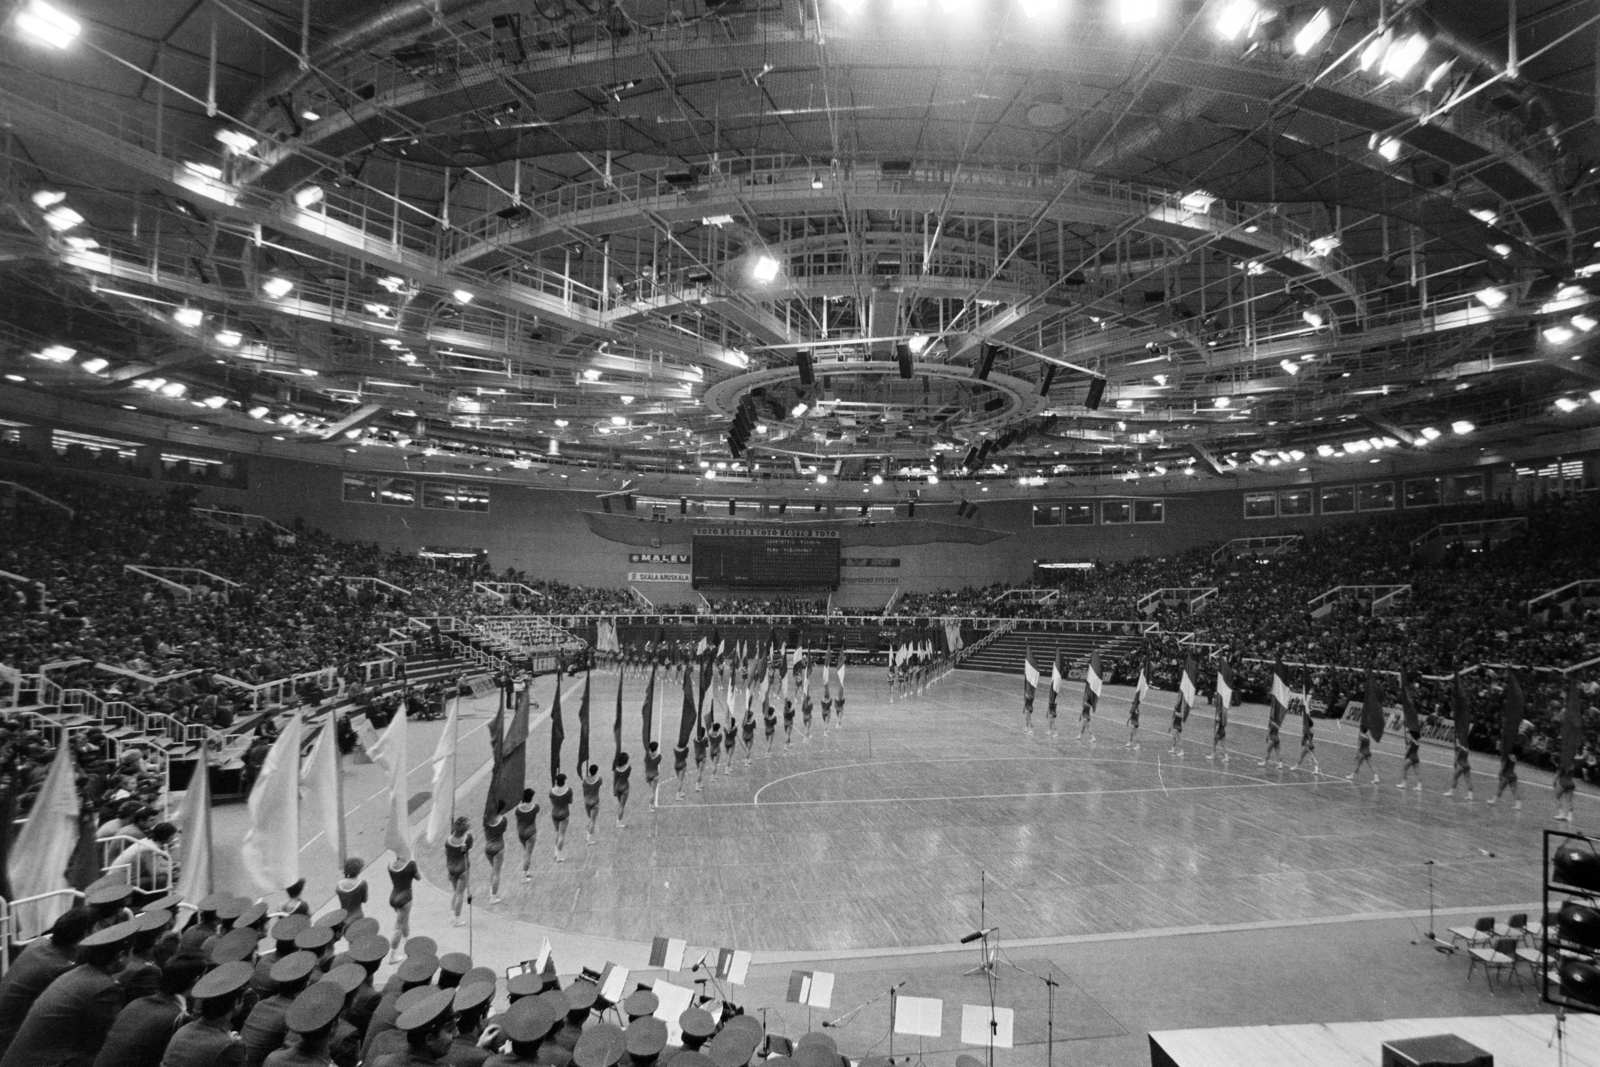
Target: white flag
{"type": "Point", "coordinates": [43, 849]}
{"type": "Point", "coordinates": [198, 880]}
{"type": "Point", "coordinates": [391, 752]}
{"type": "Point", "coordinates": [271, 849]}
{"type": "Point", "coordinates": [444, 777]}
{"type": "Point", "coordinates": [319, 798]}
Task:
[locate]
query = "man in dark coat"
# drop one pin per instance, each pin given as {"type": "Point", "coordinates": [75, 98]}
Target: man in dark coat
{"type": "Point", "coordinates": [139, 1036]}
{"type": "Point", "coordinates": [69, 1022]}
{"type": "Point", "coordinates": [208, 1041]}
{"type": "Point", "coordinates": [41, 963]}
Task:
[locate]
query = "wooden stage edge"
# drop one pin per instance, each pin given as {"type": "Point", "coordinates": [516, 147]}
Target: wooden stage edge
{"type": "Point", "coordinates": [1513, 1040]}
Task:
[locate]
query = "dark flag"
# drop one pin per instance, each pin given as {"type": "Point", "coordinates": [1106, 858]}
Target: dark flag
{"type": "Point", "coordinates": [649, 710]}
{"type": "Point", "coordinates": [616, 727]}
{"type": "Point", "coordinates": [1372, 718]}
{"type": "Point", "coordinates": [1571, 728]}
{"type": "Point", "coordinates": [558, 732]}
{"type": "Point", "coordinates": [1511, 715]}
{"type": "Point", "coordinates": [1281, 697]}
{"type": "Point", "coordinates": [1408, 706]}
{"type": "Point", "coordinates": [1460, 710]}
{"type": "Point", "coordinates": [686, 723]}
{"type": "Point", "coordinates": [583, 728]}
{"type": "Point", "coordinates": [511, 764]}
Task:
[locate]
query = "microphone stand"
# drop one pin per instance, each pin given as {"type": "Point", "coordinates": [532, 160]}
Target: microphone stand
{"type": "Point", "coordinates": [1050, 985]}
{"type": "Point", "coordinates": [844, 1020]}
{"type": "Point", "coordinates": [986, 951]}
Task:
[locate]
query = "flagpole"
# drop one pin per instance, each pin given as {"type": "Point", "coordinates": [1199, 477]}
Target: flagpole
{"type": "Point", "coordinates": [455, 745]}
{"type": "Point", "coordinates": [338, 789]}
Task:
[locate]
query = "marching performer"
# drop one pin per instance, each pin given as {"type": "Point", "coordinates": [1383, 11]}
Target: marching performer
{"type": "Point", "coordinates": [1140, 690]}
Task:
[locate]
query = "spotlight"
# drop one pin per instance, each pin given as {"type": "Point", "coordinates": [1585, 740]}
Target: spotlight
{"type": "Point", "coordinates": [1584, 322]}
{"type": "Point", "coordinates": [1315, 29]}
{"type": "Point", "coordinates": [1222, 402]}
{"type": "Point", "coordinates": [1490, 297]}
{"type": "Point", "coordinates": [1313, 319]}
{"type": "Point", "coordinates": [765, 269]}
{"type": "Point", "coordinates": [822, 479]}
{"type": "Point", "coordinates": [1375, 50]}
{"type": "Point", "coordinates": [306, 197]}
{"type": "Point", "coordinates": [95, 365]}
{"type": "Point", "coordinates": [1403, 55]}
{"type": "Point", "coordinates": [877, 479]}
{"type": "Point", "coordinates": [799, 409]}
{"type": "Point", "coordinates": [1558, 335]}
{"type": "Point", "coordinates": [1138, 12]}
{"type": "Point", "coordinates": [933, 479]}
{"type": "Point", "coordinates": [1389, 149]}
{"type": "Point", "coordinates": [57, 354]}
{"type": "Point", "coordinates": [1325, 451]}
{"type": "Point", "coordinates": [45, 199]}
{"type": "Point", "coordinates": [229, 338]}
{"type": "Point", "coordinates": [1289, 366]}
{"type": "Point", "coordinates": [591, 375]}
{"type": "Point", "coordinates": [1438, 74]}
{"type": "Point", "coordinates": [190, 317]}
{"type": "Point", "coordinates": [1567, 404]}
{"type": "Point", "coordinates": [1430, 434]}
{"type": "Point", "coordinates": [462, 296]}
{"type": "Point", "coordinates": [237, 142]}
{"type": "Point", "coordinates": [1236, 17]}
{"type": "Point", "coordinates": [62, 218]}
{"type": "Point", "coordinates": [277, 287]}
{"type": "Point", "coordinates": [1462, 426]}
{"type": "Point", "coordinates": [48, 25]}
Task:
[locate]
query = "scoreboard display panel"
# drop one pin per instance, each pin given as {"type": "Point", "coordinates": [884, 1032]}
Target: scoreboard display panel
{"type": "Point", "coordinates": [765, 562]}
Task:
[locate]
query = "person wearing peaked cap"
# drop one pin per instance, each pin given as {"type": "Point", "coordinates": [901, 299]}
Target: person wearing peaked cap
{"type": "Point", "coordinates": [453, 966]}
{"type": "Point", "coordinates": [393, 1039]}
{"type": "Point", "coordinates": [311, 1019]}
{"type": "Point", "coordinates": [601, 1046]}
{"type": "Point", "coordinates": [205, 923]}
{"type": "Point", "coordinates": [283, 932]}
{"type": "Point", "coordinates": [253, 917]}
{"type": "Point", "coordinates": [526, 984]}
{"type": "Point", "coordinates": [345, 1044]}
{"type": "Point", "coordinates": [471, 1005]}
{"type": "Point", "coordinates": [578, 999]}
{"type": "Point", "coordinates": [334, 920]}
{"type": "Point", "coordinates": [366, 926]}
{"type": "Point", "coordinates": [428, 1027]}
{"type": "Point", "coordinates": [415, 973]}
{"type": "Point", "coordinates": [234, 945]}
{"type": "Point", "coordinates": [367, 953]}
{"type": "Point", "coordinates": [139, 1036]}
{"type": "Point", "coordinates": [525, 1025]}
{"type": "Point", "coordinates": [170, 902]}
{"type": "Point", "coordinates": [42, 962]}
{"type": "Point", "coordinates": [229, 910]}
{"type": "Point", "coordinates": [267, 1022]}
{"type": "Point", "coordinates": [698, 1026]}
{"type": "Point", "coordinates": [480, 973]}
{"type": "Point", "coordinates": [647, 1037]}
{"type": "Point", "coordinates": [315, 940]}
{"type": "Point", "coordinates": [207, 1041]}
{"type": "Point", "coordinates": [141, 977]}
{"type": "Point", "coordinates": [109, 899]}
{"type": "Point", "coordinates": [69, 1022]}
{"type": "Point", "coordinates": [640, 1003]}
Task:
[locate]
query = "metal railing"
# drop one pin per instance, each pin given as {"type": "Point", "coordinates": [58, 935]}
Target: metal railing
{"type": "Point", "coordinates": [1259, 546]}
{"type": "Point", "coordinates": [356, 579]}
{"type": "Point", "coordinates": [1384, 597]}
{"type": "Point", "coordinates": [28, 918]}
{"type": "Point", "coordinates": [504, 590]}
{"type": "Point", "coordinates": [278, 692]}
{"type": "Point", "coordinates": [170, 578]}
{"type": "Point", "coordinates": [18, 487]}
{"type": "Point", "coordinates": [1583, 588]}
{"type": "Point", "coordinates": [1192, 596]}
{"type": "Point", "coordinates": [1476, 530]}
{"type": "Point", "coordinates": [235, 521]}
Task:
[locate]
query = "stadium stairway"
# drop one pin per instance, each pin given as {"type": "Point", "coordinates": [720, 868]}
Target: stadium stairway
{"type": "Point", "coordinates": [1005, 654]}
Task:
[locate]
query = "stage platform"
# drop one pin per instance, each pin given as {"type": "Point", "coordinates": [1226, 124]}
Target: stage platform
{"type": "Point", "coordinates": [1513, 1040]}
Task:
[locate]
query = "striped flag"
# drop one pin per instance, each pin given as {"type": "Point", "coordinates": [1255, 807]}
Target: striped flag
{"type": "Point", "coordinates": [1281, 697]}
{"type": "Point", "coordinates": [1224, 688]}
{"type": "Point", "coordinates": [1140, 690]}
{"type": "Point", "coordinates": [1092, 684]}
{"type": "Point", "coordinates": [1030, 679]}
{"type": "Point", "coordinates": [1055, 679]}
{"type": "Point", "coordinates": [1187, 693]}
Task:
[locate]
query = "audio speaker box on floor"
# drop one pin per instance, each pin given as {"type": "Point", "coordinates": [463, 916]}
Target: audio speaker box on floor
{"type": "Point", "coordinates": [1570, 975]}
{"type": "Point", "coordinates": [1438, 1050]}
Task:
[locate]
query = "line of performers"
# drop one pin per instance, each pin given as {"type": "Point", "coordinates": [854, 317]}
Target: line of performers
{"type": "Point", "coordinates": [725, 692]}
{"type": "Point", "coordinates": [1374, 720]}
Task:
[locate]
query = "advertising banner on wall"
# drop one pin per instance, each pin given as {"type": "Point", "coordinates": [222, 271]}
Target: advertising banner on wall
{"type": "Point", "coordinates": [658, 557]}
{"type": "Point", "coordinates": [658, 576]}
{"type": "Point", "coordinates": [868, 561]}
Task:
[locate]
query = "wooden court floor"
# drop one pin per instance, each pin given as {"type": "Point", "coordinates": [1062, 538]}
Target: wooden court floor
{"type": "Point", "coordinates": [875, 837]}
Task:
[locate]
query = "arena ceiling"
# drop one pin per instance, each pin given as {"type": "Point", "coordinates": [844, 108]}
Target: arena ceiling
{"type": "Point", "coordinates": [1019, 240]}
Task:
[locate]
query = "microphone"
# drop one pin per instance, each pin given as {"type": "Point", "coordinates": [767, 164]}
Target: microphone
{"type": "Point", "coordinates": [829, 1025]}
{"type": "Point", "coordinates": [976, 935]}
{"type": "Point", "coordinates": [1427, 863]}
{"type": "Point", "coordinates": [898, 984]}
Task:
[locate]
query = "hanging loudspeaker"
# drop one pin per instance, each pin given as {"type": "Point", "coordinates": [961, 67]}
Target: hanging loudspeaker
{"type": "Point", "coordinates": [1097, 389]}
{"type": "Point", "coordinates": [807, 372]}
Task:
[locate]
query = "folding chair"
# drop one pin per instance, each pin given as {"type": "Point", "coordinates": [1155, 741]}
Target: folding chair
{"type": "Point", "coordinates": [1516, 926]}
{"type": "Point", "coordinates": [1497, 957]}
{"type": "Point", "coordinates": [1479, 933]}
